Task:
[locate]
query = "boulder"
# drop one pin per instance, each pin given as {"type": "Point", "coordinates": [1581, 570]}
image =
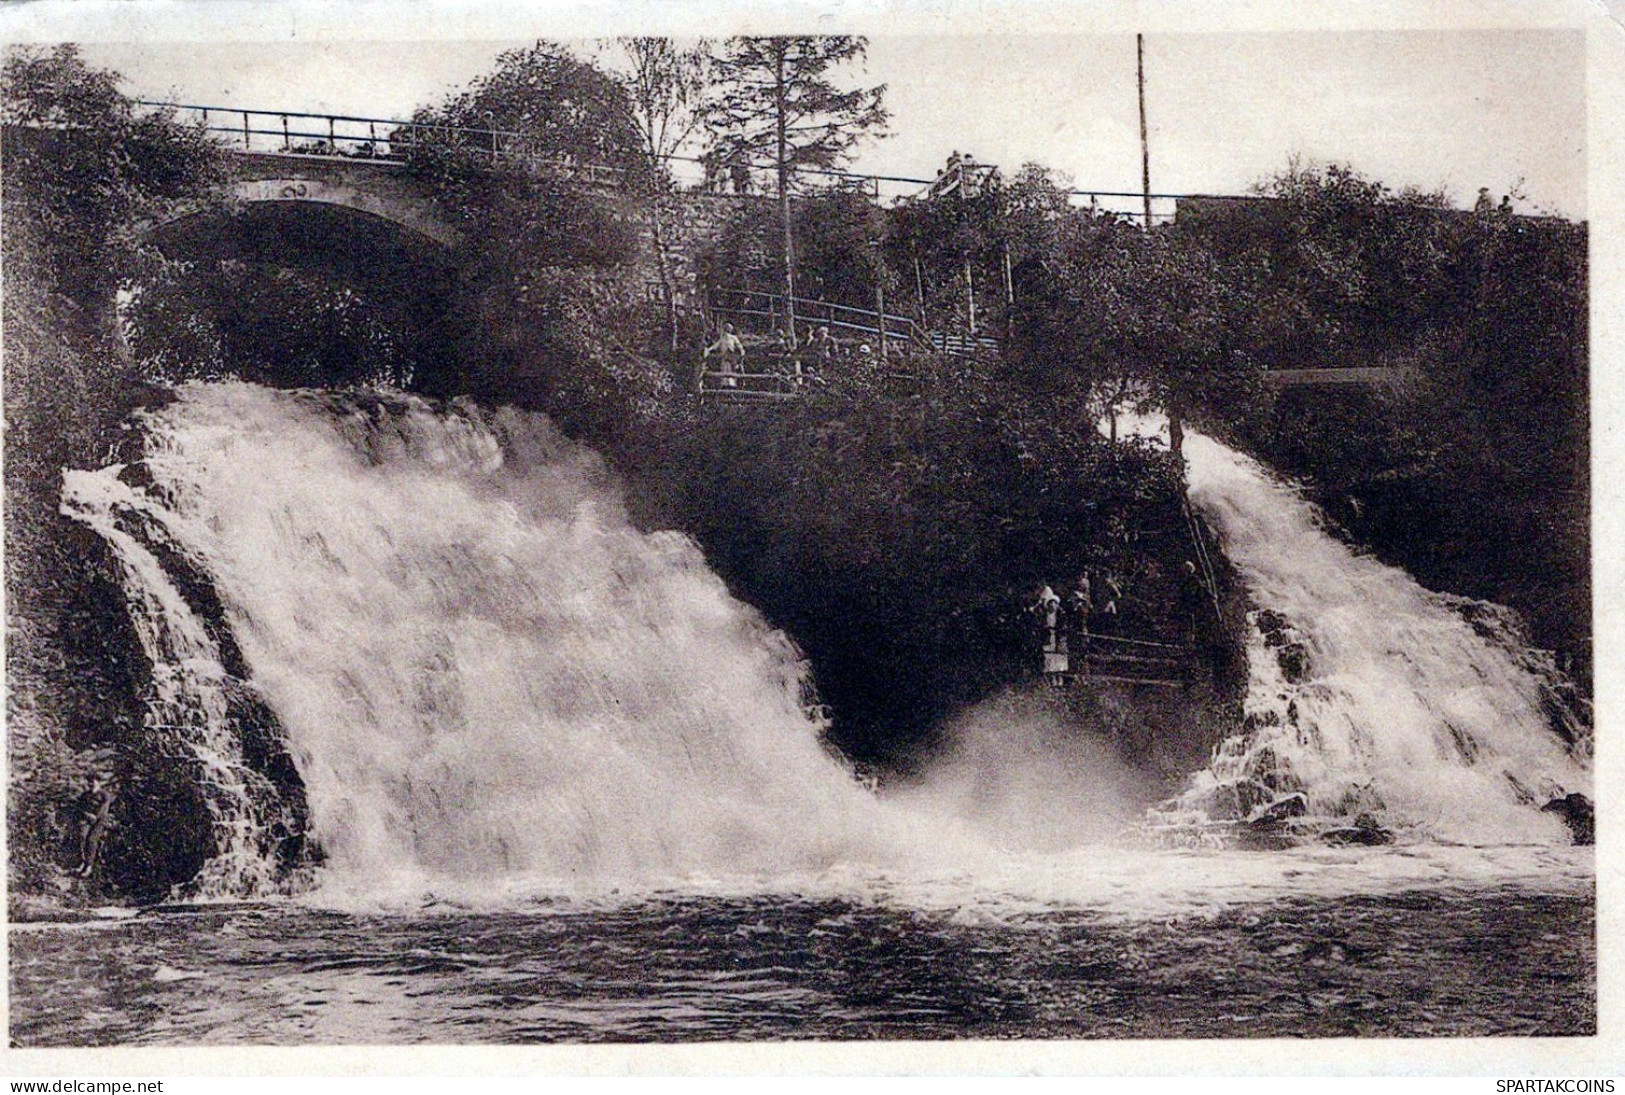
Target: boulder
{"type": "Point", "coordinates": [1366, 830]}
{"type": "Point", "coordinates": [1577, 813]}
{"type": "Point", "coordinates": [1233, 801]}
{"type": "Point", "coordinates": [1294, 660]}
{"type": "Point", "coordinates": [1287, 806]}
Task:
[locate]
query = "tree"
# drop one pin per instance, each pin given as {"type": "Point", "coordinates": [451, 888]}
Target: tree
{"type": "Point", "coordinates": [540, 109]}
{"type": "Point", "coordinates": [84, 170]}
{"type": "Point", "coordinates": [666, 86]}
{"type": "Point", "coordinates": [1122, 316]}
{"type": "Point", "coordinates": [775, 100]}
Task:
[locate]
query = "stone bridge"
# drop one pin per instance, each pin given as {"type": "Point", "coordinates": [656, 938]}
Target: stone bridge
{"type": "Point", "coordinates": [376, 187]}
{"type": "Point", "coordinates": [304, 202]}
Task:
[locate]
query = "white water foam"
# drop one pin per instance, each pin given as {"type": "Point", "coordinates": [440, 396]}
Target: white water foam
{"type": "Point", "coordinates": [187, 700]}
{"type": "Point", "coordinates": [494, 687]}
{"type": "Point", "coordinates": [1399, 707]}
{"type": "Point", "coordinates": [483, 670]}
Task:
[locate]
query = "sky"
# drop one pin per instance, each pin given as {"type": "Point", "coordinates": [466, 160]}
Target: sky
{"type": "Point", "coordinates": [1457, 109]}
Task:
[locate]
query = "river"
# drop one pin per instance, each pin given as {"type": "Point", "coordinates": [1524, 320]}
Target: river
{"type": "Point", "coordinates": [567, 788]}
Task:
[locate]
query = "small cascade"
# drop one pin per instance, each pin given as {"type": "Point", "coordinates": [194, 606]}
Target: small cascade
{"type": "Point", "coordinates": [190, 698]}
{"type": "Point", "coordinates": [1375, 708]}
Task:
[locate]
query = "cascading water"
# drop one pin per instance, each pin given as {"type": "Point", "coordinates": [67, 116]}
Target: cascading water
{"type": "Point", "coordinates": [1370, 695]}
{"type": "Point", "coordinates": [582, 785]}
{"type": "Point", "coordinates": [483, 671]}
{"type": "Point", "coordinates": [491, 683]}
{"type": "Point", "coordinates": [188, 702]}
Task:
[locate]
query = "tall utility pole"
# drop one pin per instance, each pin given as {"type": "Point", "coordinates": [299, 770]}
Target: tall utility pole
{"type": "Point", "coordinates": [1145, 147]}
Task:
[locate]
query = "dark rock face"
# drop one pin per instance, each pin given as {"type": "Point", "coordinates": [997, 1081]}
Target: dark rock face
{"type": "Point", "coordinates": [1366, 831]}
{"type": "Point", "coordinates": [1578, 814]}
{"type": "Point", "coordinates": [1281, 637]}
{"type": "Point", "coordinates": [1290, 806]}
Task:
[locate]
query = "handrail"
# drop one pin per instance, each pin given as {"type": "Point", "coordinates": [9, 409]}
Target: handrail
{"type": "Point", "coordinates": [497, 136]}
{"type": "Point", "coordinates": [896, 327]}
{"type": "Point", "coordinates": [498, 144]}
{"type": "Point", "coordinates": [1181, 648]}
{"type": "Point", "coordinates": [814, 306]}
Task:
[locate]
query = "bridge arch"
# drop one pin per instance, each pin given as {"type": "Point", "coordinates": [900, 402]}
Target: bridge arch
{"type": "Point", "coordinates": [378, 268]}
{"type": "Point", "coordinates": [306, 187]}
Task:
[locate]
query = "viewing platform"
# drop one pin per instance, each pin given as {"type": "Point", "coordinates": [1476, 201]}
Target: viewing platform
{"type": "Point", "coordinates": [1119, 660]}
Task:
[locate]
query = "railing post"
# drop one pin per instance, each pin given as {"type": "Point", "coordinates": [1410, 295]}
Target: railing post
{"type": "Point", "coordinates": [245, 132]}
{"type": "Point", "coordinates": [287, 145]}
{"type": "Point", "coordinates": [332, 141]}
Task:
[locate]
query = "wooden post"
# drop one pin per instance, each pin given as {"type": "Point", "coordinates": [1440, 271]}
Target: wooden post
{"type": "Point", "coordinates": [880, 311]}
{"type": "Point", "coordinates": [1145, 147]}
{"type": "Point", "coordinates": [1009, 294]}
{"type": "Point", "coordinates": [970, 293]}
{"type": "Point", "coordinates": [919, 284]}
{"type": "Point", "coordinates": [880, 281]}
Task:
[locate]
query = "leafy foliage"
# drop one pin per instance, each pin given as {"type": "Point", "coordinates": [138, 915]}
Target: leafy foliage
{"type": "Point", "coordinates": [898, 538]}
{"type": "Point", "coordinates": [83, 173]}
{"type": "Point", "coordinates": [1132, 317]}
{"type": "Point", "coordinates": [774, 100]}
{"type": "Point", "coordinates": [269, 324]}
{"type": "Point", "coordinates": [84, 170]}
{"type": "Point", "coordinates": [1472, 474]}
{"type": "Point", "coordinates": [541, 109]}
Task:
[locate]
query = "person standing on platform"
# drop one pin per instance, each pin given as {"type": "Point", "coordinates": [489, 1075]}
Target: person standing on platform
{"type": "Point", "coordinates": [731, 351]}
{"type": "Point", "coordinates": [1080, 604]}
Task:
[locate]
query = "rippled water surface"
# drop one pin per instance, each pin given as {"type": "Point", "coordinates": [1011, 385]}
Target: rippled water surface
{"type": "Point", "coordinates": [1503, 961]}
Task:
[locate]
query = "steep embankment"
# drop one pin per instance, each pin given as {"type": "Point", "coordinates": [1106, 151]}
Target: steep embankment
{"type": "Point", "coordinates": [75, 675]}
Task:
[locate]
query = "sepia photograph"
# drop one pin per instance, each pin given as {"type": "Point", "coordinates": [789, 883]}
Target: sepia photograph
{"type": "Point", "coordinates": [751, 529]}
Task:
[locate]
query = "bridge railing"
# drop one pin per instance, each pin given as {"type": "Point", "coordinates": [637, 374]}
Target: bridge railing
{"type": "Point", "coordinates": [308, 133]}
{"type": "Point", "coordinates": [348, 136]}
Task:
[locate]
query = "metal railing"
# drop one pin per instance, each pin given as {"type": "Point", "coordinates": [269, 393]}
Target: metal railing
{"type": "Point", "coordinates": [770, 306]}
{"type": "Point", "coordinates": [315, 133]}
{"type": "Point", "coordinates": [1096, 657]}
{"type": "Point", "coordinates": [959, 344]}
{"type": "Point", "coordinates": [726, 386]}
{"type": "Point", "coordinates": [351, 137]}
{"type": "Point", "coordinates": [844, 318]}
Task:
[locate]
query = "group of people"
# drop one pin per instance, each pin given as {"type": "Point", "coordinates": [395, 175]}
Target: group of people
{"type": "Point", "coordinates": [1065, 623]}
{"type": "Point", "coordinates": [795, 361]}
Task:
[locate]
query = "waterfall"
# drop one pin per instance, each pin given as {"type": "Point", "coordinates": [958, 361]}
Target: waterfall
{"type": "Point", "coordinates": [1370, 695]}
{"type": "Point", "coordinates": [490, 682]}
{"type": "Point", "coordinates": [188, 699]}
{"type": "Point", "coordinates": [484, 672]}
